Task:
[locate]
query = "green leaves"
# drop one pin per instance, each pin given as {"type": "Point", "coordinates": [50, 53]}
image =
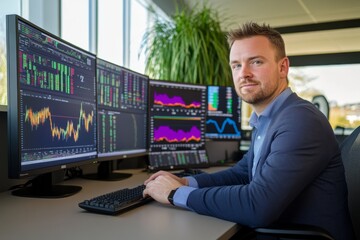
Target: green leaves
{"type": "Point", "coordinates": [190, 48]}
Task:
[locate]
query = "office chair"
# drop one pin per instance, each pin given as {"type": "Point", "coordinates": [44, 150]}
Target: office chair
{"type": "Point", "coordinates": [350, 151]}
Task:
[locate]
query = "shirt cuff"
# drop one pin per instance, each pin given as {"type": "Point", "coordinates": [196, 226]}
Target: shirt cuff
{"type": "Point", "coordinates": [181, 195]}
{"type": "Point", "coordinates": [192, 182]}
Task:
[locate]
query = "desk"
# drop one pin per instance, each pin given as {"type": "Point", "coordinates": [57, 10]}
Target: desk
{"type": "Point", "coordinates": [62, 219]}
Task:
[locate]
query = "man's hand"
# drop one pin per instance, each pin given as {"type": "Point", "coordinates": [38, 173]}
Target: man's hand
{"type": "Point", "coordinates": [160, 184]}
{"type": "Point", "coordinates": [183, 181]}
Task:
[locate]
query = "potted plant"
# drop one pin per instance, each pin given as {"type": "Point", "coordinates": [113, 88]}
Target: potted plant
{"type": "Point", "coordinates": [189, 48]}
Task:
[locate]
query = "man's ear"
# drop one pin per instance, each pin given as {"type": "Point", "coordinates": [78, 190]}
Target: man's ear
{"type": "Point", "coordinates": [284, 65]}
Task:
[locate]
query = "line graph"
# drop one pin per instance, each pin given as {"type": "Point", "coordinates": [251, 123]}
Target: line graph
{"type": "Point", "coordinates": [224, 126]}
{"type": "Point", "coordinates": [61, 133]}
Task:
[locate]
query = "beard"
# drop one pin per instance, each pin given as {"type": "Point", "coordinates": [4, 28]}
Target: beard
{"type": "Point", "coordinates": [257, 94]}
{"type": "Point", "coordinates": [253, 98]}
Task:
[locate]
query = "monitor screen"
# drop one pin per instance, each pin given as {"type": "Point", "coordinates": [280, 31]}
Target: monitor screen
{"type": "Point", "coordinates": [122, 114]}
{"type": "Point", "coordinates": [223, 120]}
{"type": "Point", "coordinates": [52, 122]}
{"type": "Point", "coordinates": [177, 114]}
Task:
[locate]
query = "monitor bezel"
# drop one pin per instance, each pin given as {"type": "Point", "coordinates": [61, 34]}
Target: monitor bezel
{"type": "Point", "coordinates": [3, 108]}
{"type": "Point", "coordinates": [176, 167]}
{"type": "Point", "coordinates": [15, 169]}
{"type": "Point", "coordinates": [120, 155]}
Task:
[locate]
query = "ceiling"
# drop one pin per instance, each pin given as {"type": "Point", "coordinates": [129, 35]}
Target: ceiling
{"type": "Point", "coordinates": [295, 13]}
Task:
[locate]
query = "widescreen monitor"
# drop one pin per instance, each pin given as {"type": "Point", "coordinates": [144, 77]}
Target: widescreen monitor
{"type": "Point", "coordinates": [223, 120]}
{"type": "Point", "coordinates": [177, 114]}
{"type": "Point", "coordinates": [52, 121]}
{"type": "Point", "coordinates": [122, 114]}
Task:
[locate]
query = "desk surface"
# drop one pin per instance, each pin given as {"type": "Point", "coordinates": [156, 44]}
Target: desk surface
{"type": "Point", "coordinates": [32, 218]}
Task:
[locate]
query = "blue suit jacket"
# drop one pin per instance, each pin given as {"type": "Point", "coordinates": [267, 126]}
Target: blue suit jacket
{"type": "Point", "coordinates": [299, 179]}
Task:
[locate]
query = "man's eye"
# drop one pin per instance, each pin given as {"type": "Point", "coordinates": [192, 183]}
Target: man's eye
{"type": "Point", "coordinates": [257, 62]}
{"type": "Point", "coordinates": [236, 66]}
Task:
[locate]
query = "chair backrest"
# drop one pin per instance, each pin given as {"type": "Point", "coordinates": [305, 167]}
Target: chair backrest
{"type": "Point", "coordinates": [350, 151]}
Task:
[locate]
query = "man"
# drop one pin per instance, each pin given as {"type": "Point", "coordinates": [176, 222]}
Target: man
{"type": "Point", "coordinates": [293, 171]}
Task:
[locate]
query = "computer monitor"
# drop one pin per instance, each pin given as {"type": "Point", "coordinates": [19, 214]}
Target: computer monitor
{"type": "Point", "coordinates": [52, 122]}
{"type": "Point", "coordinates": [223, 125]}
{"type": "Point", "coordinates": [177, 114]}
{"type": "Point", "coordinates": [122, 114]}
{"type": "Point", "coordinates": [223, 119]}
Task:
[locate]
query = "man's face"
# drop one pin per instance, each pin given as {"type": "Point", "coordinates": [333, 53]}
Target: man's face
{"type": "Point", "coordinates": [257, 74]}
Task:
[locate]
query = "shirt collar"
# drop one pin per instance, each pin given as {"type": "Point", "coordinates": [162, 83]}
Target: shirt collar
{"type": "Point", "coordinates": [271, 108]}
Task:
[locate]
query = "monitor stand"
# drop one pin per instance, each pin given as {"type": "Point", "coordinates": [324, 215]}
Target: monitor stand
{"type": "Point", "coordinates": [42, 187]}
{"type": "Point", "coordinates": [105, 172]}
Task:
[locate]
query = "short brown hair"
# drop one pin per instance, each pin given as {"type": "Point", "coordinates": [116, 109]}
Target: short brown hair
{"type": "Point", "coordinates": [251, 29]}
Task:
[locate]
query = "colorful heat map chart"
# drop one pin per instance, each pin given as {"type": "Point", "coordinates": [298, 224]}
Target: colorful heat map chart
{"type": "Point", "coordinates": [170, 135]}
{"type": "Point", "coordinates": [164, 99]}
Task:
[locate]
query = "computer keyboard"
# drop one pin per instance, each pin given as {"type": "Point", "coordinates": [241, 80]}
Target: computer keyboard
{"type": "Point", "coordinates": [125, 199]}
{"type": "Point", "coordinates": [116, 202]}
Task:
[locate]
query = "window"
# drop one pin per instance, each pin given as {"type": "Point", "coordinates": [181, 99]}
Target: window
{"type": "Point", "coordinates": [6, 7]}
{"type": "Point", "coordinates": [138, 24]}
{"type": "Point", "coordinates": [338, 83]}
{"type": "Point", "coordinates": [75, 22]}
{"type": "Point", "coordinates": [110, 31]}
